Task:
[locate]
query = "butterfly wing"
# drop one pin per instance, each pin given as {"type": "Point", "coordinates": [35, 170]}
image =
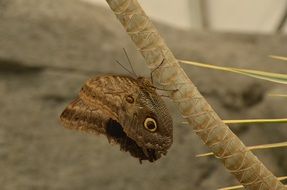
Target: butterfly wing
{"type": "Point", "coordinates": [94, 106]}
{"type": "Point", "coordinates": [81, 116]}
{"type": "Point", "coordinates": [116, 107]}
{"type": "Point", "coordinates": [147, 106]}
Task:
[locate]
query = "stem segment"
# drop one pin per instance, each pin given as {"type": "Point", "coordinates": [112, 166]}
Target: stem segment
{"type": "Point", "coordinates": [245, 166]}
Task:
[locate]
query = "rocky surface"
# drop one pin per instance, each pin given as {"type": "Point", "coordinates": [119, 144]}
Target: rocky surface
{"type": "Point", "coordinates": [49, 48]}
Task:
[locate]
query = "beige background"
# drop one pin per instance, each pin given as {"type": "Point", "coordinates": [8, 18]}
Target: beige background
{"type": "Point", "coordinates": [256, 16]}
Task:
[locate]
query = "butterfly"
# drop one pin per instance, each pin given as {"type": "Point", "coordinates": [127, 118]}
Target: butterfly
{"type": "Point", "coordinates": [127, 110]}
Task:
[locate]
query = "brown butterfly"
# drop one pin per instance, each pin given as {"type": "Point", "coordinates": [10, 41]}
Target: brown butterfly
{"type": "Point", "coordinates": [127, 110]}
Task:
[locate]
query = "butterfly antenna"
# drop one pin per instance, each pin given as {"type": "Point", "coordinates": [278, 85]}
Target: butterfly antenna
{"type": "Point", "coordinates": [124, 67]}
{"type": "Point", "coordinates": [129, 62]}
{"type": "Point", "coordinates": [151, 74]}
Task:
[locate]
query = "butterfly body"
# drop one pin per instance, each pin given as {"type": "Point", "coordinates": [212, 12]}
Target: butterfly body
{"type": "Point", "coordinates": [127, 110]}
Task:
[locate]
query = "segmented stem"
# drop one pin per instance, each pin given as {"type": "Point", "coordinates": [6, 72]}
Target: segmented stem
{"type": "Point", "coordinates": [245, 166]}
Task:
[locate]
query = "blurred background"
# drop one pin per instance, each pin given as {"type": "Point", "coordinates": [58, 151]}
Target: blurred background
{"type": "Point", "coordinates": [257, 16]}
{"type": "Point", "coordinates": [49, 48]}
